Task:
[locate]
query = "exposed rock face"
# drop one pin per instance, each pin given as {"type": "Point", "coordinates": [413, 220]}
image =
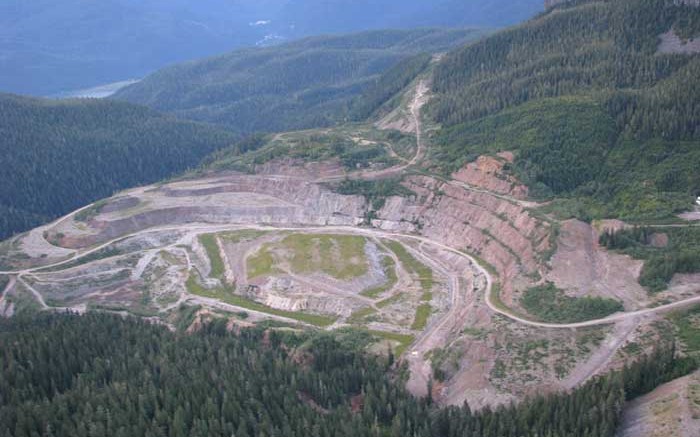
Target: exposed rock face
{"type": "Point", "coordinates": [231, 199]}
{"type": "Point", "coordinates": [581, 267]}
{"type": "Point", "coordinates": [672, 43]}
{"type": "Point", "coordinates": [489, 173]}
{"type": "Point", "coordinates": [670, 410]}
{"type": "Point", "coordinates": [501, 232]}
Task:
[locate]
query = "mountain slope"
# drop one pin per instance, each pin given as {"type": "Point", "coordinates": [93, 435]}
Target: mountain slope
{"type": "Point", "coordinates": [58, 156]}
{"type": "Point", "coordinates": [309, 83]}
{"type": "Point", "coordinates": [48, 47]}
{"type": "Point", "coordinates": [606, 114]}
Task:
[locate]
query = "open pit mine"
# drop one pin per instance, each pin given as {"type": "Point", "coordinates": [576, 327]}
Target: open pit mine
{"type": "Point", "coordinates": [435, 274]}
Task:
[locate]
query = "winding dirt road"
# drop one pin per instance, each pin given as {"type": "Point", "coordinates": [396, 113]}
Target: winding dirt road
{"type": "Point", "coordinates": [370, 232]}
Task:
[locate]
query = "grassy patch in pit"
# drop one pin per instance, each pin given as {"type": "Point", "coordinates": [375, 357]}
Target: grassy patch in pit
{"type": "Point", "coordinates": [390, 300]}
{"type": "Point", "coordinates": [422, 315]}
{"type": "Point", "coordinates": [412, 265]}
{"type": "Point", "coordinates": [339, 256]}
{"type": "Point", "coordinates": [25, 303]}
{"type": "Point", "coordinates": [688, 329]}
{"type": "Point", "coordinates": [91, 211]}
{"type": "Point", "coordinates": [227, 296]}
{"type": "Point", "coordinates": [403, 340]}
{"type": "Point", "coordinates": [212, 248]}
{"type": "Point", "coordinates": [261, 263]}
{"type": "Point", "coordinates": [360, 315]}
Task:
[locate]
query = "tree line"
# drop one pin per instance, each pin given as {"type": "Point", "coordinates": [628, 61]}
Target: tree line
{"type": "Point", "coordinates": [59, 156]}
{"type": "Point", "coordinates": [132, 378]}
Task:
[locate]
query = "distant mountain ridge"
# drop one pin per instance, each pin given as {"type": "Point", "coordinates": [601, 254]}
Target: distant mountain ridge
{"type": "Point", "coordinates": [308, 83]}
{"type": "Point", "coordinates": [48, 47]}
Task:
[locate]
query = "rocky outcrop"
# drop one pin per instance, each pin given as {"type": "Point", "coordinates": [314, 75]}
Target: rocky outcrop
{"type": "Point", "coordinates": [501, 232]}
{"type": "Point", "coordinates": [670, 42]}
{"type": "Point", "coordinates": [490, 173]}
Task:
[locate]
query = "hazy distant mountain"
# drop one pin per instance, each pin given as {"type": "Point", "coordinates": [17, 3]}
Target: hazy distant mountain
{"type": "Point", "coordinates": [47, 47]}
{"type": "Point", "coordinates": [311, 82]}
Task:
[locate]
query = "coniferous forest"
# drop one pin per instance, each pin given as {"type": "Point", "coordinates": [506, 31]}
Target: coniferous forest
{"type": "Point", "coordinates": [129, 377]}
{"type": "Point", "coordinates": [60, 155]}
{"type": "Point", "coordinates": [594, 110]}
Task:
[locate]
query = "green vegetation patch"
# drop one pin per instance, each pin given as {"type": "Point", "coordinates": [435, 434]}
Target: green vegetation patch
{"type": "Point", "coordinates": [226, 295]}
{"type": "Point", "coordinates": [312, 146]}
{"type": "Point", "coordinates": [185, 316]}
{"type": "Point", "coordinates": [263, 371]}
{"type": "Point", "coordinates": [445, 362]}
{"type": "Point", "coordinates": [550, 304]}
{"type": "Point", "coordinates": [4, 280]}
{"type": "Point", "coordinates": [390, 300]}
{"type": "Point", "coordinates": [389, 267]}
{"type": "Point", "coordinates": [340, 256]}
{"type": "Point", "coordinates": [681, 254]}
{"type": "Point", "coordinates": [421, 318]}
{"type": "Point", "coordinates": [403, 340]}
{"type": "Point", "coordinates": [360, 315]}
{"type": "Point", "coordinates": [136, 309]}
{"type": "Point", "coordinates": [212, 247]}
{"type": "Point", "coordinates": [261, 263]}
{"type": "Point", "coordinates": [91, 212]}
{"type": "Point", "coordinates": [383, 92]}
{"type": "Point", "coordinates": [412, 265]}
{"type": "Point", "coordinates": [25, 303]}
{"type": "Point", "coordinates": [688, 329]}
{"type": "Point", "coordinates": [560, 143]}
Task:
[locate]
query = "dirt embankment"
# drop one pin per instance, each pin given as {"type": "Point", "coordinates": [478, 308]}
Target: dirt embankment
{"type": "Point", "coordinates": [673, 409]}
{"type": "Point", "coordinates": [581, 267]}
{"type": "Point", "coordinates": [670, 42]}
{"type": "Point", "coordinates": [236, 199]}
{"type": "Point", "coordinates": [490, 173]}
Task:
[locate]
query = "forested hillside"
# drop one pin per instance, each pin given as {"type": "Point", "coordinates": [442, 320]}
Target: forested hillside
{"type": "Point", "coordinates": [131, 378]}
{"type": "Point", "coordinates": [310, 83]}
{"type": "Point", "coordinates": [59, 156]}
{"type": "Point", "coordinates": [598, 109]}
